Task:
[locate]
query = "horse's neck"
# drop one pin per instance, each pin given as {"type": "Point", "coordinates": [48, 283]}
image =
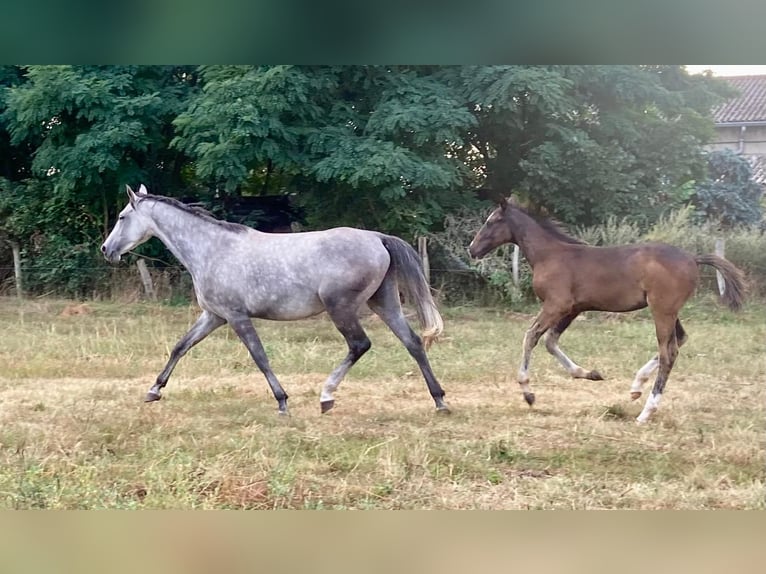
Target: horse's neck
{"type": "Point", "coordinates": [188, 237]}
{"type": "Point", "coordinates": [534, 241]}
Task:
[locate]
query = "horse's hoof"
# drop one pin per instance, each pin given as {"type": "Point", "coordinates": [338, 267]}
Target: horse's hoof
{"type": "Point", "coordinates": [595, 376]}
{"type": "Point", "coordinates": [151, 396]}
{"type": "Point", "coordinates": [327, 405]}
{"type": "Point", "coordinates": [635, 395]}
{"type": "Point", "coordinates": [443, 410]}
{"type": "Point", "coordinates": [530, 398]}
{"type": "Point", "coordinates": [283, 413]}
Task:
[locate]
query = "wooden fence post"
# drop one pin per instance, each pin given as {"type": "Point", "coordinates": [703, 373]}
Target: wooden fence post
{"type": "Point", "coordinates": [720, 249]}
{"type": "Point", "coordinates": [16, 249]}
{"type": "Point", "coordinates": [146, 279]}
{"type": "Point", "coordinates": [423, 252]}
{"type": "Point", "coordinates": [515, 265]}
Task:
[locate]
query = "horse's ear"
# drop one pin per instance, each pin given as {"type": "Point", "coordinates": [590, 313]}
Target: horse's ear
{"type": "Point", "coordinates": [142, 190]}
{"type": "Point", "coordinates": [503, 203]}
{"type": "Point", "coordinates": [131, 195]}
{"type": "Point", "coordinates": [513, 201]}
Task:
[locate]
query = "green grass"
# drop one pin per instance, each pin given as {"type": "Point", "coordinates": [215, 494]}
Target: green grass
{"type": "Point", "coordinates": [75, 433]}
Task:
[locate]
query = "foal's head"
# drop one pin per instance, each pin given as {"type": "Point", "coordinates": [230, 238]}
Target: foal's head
{"type": "Point", "coordinates": [495, 232]}
{"type": "Point", "coordinates": [132, 228]}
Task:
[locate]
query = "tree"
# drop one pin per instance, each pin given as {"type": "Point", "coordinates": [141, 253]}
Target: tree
{"type": "Point", "coordinates": [587, 142]}
{"type": "Point", "coordinates": [86, 131]}
{"type": "Point", "coordinates": [728, 195]}
{"type": "Point", "coordinates": [365, 145]}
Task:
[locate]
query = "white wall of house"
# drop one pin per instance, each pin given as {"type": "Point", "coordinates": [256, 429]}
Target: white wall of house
{"type": "Point", "coordinates": [751, 141]}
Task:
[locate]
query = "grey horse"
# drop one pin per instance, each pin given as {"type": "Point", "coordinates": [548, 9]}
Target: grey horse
{"type": "Point", "coordinates": [240, 273]}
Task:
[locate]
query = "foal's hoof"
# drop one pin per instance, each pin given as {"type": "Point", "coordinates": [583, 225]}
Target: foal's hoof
{"type": "Point", "coordinates": [443, 410]}
{"type": "Point", "coordinates": [283, 413]}
{"type": "Point", "coordinates": [595, 376]}
{"type": "Point", "coordinates": [151, 396]}
{"type": "Point", "coordinates": [635, 395]}
{"type": "Point", "coordinates": [327, 405]}
{"type": "Point", "coordinates": [530, 398]}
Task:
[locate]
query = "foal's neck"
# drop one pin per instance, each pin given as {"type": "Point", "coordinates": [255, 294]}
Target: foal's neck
{"type": "Point", "coordinates": [534, 241]}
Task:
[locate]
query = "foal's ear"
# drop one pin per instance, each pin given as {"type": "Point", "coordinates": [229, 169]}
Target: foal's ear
{"type": "Point", "coordinates": [142, 190]}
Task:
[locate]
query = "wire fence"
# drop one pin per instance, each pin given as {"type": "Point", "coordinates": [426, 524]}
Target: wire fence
{"type": "Point", "coordinates": [172, 283]}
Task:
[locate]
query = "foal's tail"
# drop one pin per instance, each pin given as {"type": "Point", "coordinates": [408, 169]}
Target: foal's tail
{"type": "Point", "coordinates": [734, 279]}
{"type": "Point", "coordinates": [409, 274]}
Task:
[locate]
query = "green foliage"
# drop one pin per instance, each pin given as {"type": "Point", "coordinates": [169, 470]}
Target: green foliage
{"type": "Point", "coordinates": [729, 195]}
{"type": "Point", "coordinates": [394, 148]}
{"type": "Point", "coordinates": [586, 142]}
{"type": "Point", "coordinates": [364, 146]}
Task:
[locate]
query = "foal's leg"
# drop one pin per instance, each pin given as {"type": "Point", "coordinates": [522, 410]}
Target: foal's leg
{"type": "Point", "coordinates": [243, 327]}
{"type": "Point", "coordinates": [552, 345]}
{"type": "Point", "coordinates": [646, 371]}
{"type": "Point", "coordinates": [348, 324]}
{"type": "Point", "coordinates": [544, 320]}
{"type": "Point", "coordinates": [205, 324]}
{"type": "Point", "coordinates": [385, 303]}
{"type": "Point", "coordinates": [668, 351]}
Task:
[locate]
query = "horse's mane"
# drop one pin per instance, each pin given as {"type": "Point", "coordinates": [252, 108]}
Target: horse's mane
{"type": "Point", "coordinates": [551, 225]}
{"type": "Point", "coordinates": [197, 211]}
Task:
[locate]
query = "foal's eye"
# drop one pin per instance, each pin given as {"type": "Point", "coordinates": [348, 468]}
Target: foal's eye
{"type": "Point", "coordinates": [120, 218]}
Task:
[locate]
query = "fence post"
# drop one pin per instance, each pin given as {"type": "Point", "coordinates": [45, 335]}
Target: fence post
{"type": "Point", "coordinates": [423, 252]}
{"type": "Point", "coordinates": [16, 249]}
{"type": "Point", "coordinates": [720, 248]}
{"type": "Point", "coordinates": [146, 279]}
{"type": "Point", "coordinates": [515, 265]}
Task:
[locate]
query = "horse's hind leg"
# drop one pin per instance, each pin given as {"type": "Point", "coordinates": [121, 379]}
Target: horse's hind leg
{"type": "Point", "coordinates": [552, 345]}
{"type": "Point", "coordinates": [243, 327]}
{"type": "Point", "coordinates": [668, 344]}
{"type": "Point", "coordinates": [205, 324]}
{"type": "Point", "coordinates": [348, 324]}
{"type": "Point", "coordinates": [646, 371]}
{"type": "Point", "coordinates": [385, 303]}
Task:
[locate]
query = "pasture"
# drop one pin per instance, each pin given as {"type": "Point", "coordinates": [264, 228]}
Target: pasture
{"type": "Point", "coordinates": [75, 432]}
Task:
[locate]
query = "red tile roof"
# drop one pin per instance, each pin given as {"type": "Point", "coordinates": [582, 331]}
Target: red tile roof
{"type": "Point", "coordinates": [749, 106]}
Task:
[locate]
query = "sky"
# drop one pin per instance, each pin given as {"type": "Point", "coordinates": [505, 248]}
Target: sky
{"type": "Point", "coordinates": [728, 70]}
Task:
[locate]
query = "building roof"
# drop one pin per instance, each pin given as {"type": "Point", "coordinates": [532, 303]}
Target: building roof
{"type": "Point", "coordinates": [749, 106]}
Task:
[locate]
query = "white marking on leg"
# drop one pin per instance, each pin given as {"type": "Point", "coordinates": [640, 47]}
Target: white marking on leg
{"type": "Point", "coordinates": [644, 373]}
{"type": "Point", "coordinates": [551, 344]}
{"type": "Point", "coordinates": [652, 402]}
{"type": "Point", "coordinates": [332, 382]}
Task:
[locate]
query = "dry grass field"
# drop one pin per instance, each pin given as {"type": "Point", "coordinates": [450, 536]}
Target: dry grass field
{"type": "Point", "coordinates": [75, 433]}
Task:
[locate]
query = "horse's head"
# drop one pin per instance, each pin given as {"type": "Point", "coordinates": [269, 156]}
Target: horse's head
{"type": "Point", "coordinates": [132, 228]}
{"type": "Point", "coordinates": [495, 232]}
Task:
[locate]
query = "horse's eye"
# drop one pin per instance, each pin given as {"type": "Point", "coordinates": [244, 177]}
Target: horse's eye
{"type": "Point", "coordinates": [121, 217]}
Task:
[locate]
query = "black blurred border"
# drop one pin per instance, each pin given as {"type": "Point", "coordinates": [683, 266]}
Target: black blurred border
{"type": "Point", "coordinates": [426, 31]}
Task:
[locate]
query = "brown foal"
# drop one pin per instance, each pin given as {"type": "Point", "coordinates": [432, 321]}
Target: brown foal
{"type": "Point", "coordinates": [570, 277]}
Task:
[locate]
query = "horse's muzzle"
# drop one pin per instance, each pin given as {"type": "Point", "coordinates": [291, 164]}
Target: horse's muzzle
{"type": "Point", "coordinates": [475, 252]}
{"type": "Point", "coordinates": [109, 255]}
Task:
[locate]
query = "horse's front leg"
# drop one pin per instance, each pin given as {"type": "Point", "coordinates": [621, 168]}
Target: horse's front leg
{"type": "Point", "coordinates": [539, 326]}
{"type": "Point", "coordinates": [243, 327]}
{"type": "Point", "coordinates": [205, 324]}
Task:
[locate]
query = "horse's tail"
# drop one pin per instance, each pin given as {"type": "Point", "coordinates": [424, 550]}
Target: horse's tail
{"type": "Point", "coordinates": [409, 274]}
{"type": "Point", "coordinates": [733, 278]}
